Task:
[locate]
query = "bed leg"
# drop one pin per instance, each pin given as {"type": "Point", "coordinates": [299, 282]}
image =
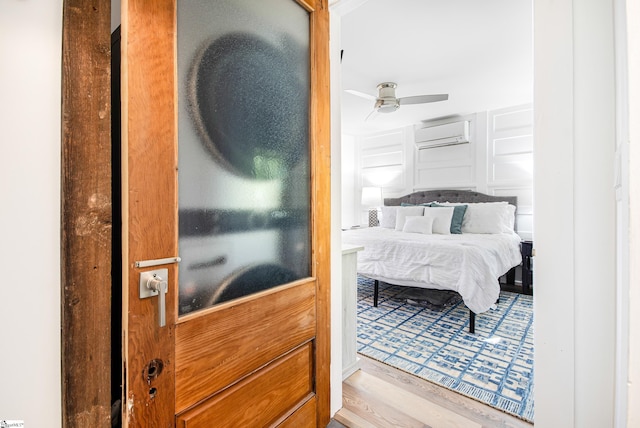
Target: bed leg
{"type": "Point", "coordinates": [472, 322]}
{"type": "Point", "coordinates": [376, 286]}
{"type": "Point", "coordinates": [511, 276]}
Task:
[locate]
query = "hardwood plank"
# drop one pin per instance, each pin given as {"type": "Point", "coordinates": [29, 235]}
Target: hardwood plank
{"type": "Point", "coordinates": [373, 409]}
{"type": "Point", "coordinates": [471, 409]}
{"type": "Point", "coordinates": [408, 403]}
{"type": "Point", "coordinates": [86, 214]}
{"type": "Point", "coordinates": [351, 420]}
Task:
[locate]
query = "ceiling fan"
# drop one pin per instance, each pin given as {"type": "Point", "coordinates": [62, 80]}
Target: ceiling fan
{"type": "Point", "coordinates": [387, 102]}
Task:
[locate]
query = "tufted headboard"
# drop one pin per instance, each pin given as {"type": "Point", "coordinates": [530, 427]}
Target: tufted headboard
{"type": "Point", "coordinates": [448, 196]}
{"type": "Point", "coordinates": [425, 196]}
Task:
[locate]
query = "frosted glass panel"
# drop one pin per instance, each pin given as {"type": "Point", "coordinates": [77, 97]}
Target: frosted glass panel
{"type": "Point", "coordinates": [243, 148]}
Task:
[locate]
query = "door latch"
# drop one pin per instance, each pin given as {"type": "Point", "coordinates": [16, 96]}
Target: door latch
{"type": "Point", "coordinates": [154, 283]}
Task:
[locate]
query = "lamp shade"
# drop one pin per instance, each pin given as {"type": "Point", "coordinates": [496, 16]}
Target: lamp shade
{"type": "Point", "coordinates": [371, 197]}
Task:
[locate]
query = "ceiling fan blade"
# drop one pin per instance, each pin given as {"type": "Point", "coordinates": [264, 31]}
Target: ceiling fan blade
{"type": "Point", "coordinates": [419, 99]}
{"type": "Point", "coordinates": [360, 94]}
{"type": "Point", "coordinates": [373, 114]}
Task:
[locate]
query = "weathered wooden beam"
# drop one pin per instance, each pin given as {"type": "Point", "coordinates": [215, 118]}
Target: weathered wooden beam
{"type": "Point", "coordinates": [86, 207]}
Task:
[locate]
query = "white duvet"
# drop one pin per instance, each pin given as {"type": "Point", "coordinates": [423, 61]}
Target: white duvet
{"type": "Point", "coordinates": [467, 263]}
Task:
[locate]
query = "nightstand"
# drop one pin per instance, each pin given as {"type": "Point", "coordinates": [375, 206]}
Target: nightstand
{"type": "Point", "coordinates": [350, 360]}
{"type": "Point", "coordinates": [526, 249]}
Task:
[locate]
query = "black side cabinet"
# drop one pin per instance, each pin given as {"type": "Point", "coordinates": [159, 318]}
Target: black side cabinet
{"type": "Point", "coordinates": [526, 249]}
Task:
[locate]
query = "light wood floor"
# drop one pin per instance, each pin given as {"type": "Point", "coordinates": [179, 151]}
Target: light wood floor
{"type": "Point", "coordinates": [381, 396]}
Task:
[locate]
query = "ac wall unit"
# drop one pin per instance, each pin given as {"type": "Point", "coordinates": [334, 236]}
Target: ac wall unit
{"type": "Point", "coordinates": [448, 134]}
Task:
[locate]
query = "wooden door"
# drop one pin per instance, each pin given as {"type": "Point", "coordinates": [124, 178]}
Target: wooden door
{"type": "Point", "coordinates": [255, 359]}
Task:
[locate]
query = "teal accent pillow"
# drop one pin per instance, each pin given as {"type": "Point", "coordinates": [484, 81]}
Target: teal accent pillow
{"type": "Point", "coordinates": [458, 216]}
{"type": "Point", "coordinates": [426, 204]}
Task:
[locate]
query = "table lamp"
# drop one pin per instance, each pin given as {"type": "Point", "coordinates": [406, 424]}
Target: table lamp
{"type": "Point", "coordinates": [372, 199]}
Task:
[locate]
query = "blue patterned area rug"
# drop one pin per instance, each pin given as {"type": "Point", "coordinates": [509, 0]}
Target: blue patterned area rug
{"type": "Point", "coordinates": [494, 365]}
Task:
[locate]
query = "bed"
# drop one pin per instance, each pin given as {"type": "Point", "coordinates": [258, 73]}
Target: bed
{"type": "Point", "coordinates": [455, 240]}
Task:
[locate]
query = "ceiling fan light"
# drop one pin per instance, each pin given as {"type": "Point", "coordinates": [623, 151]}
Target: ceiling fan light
{"type": "Point", "coordinates": [387, 105]}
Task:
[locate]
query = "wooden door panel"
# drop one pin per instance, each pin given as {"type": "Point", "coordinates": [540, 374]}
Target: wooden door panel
{"type": "Point", "coordinates": [260, 400]}
{"type": "Point", "coordinates": [303, 417]}
{"type": "Point", "coordinates": [149, 202]}
{"type": "Point", "coordinates": [236, 338]}
{"type": "Point", "coordinates": [214, 361]}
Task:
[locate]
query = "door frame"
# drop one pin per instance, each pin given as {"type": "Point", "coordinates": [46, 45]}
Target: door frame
{"type": "Point", "coordinates": [86, 216]}
{"type": "Point", "coordinates": [86, 213]}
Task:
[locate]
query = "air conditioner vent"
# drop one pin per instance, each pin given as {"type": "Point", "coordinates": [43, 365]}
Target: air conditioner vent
{"type": "Point", "coordinates": [448, 134]}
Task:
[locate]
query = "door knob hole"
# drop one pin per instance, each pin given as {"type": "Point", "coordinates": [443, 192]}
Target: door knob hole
{"type": "Point", "coordinates": [153, 369]}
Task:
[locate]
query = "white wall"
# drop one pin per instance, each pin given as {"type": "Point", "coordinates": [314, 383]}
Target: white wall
{"type": "Point", "coordinates": [575, 219]}
{"type": "Point", "coordinates": [621, 185]}
{"type": "Point", "coordinates": [498, 160]}
{"type": "Point", "coordinates": [509, 161]}
{"type": "Point", "coordinates": [348, 178]}
{"type": "Point", "coordinates": [461, 166]}
{"type": "Point", "coordinates": [30, 76]}
{"type": "Point", "coordinates": [336, 245]}
{"type": "Point", "coordinates": [384, 160]}
{"type": "Point", "coordinates": [633, 325]}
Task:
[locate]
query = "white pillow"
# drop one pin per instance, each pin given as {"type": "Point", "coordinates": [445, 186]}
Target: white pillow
{"type": "Point", "coordinates": [388, 217]}
{"type": "Point", "coordinates": [489, 217]}
{"type": "Point", "coordinates": [403, 212]}
{"type": "Point", "coordinates": [418, 224]}
{"type": "Point", "coordinates": [441, 219]}
{"type": "Point", "coordinates": [469, 203]}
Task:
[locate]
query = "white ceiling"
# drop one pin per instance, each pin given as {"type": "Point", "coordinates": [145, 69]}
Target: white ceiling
{"type": "Point", "coordinates": [478, 51]}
